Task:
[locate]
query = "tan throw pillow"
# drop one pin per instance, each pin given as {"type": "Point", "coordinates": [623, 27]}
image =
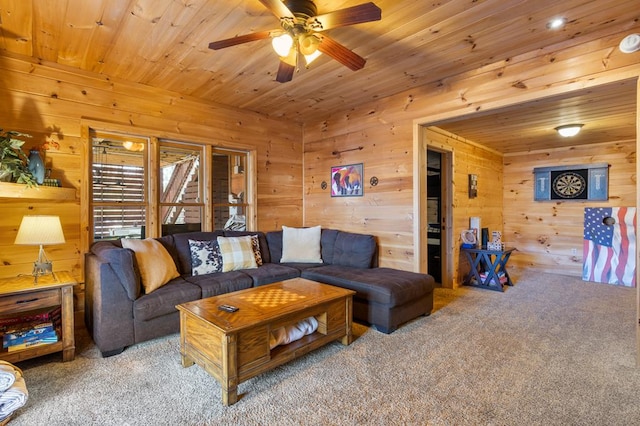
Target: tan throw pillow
{"type": "Point", "coordinates": [156, 265]}
{"type": "Point", "coordinates": [301, 245]}
{"type": "Point", "coordinates": [237, 253]}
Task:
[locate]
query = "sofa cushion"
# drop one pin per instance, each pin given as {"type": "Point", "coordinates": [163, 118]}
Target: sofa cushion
{"type": "Point", "coordinates": [301, 245]}
{"type": "Point", "coordinates": [262, 240]}
{"type": "Point", "coordinates": [328, 242]}
{"type": "Point", "coordinates": [354, 250]}
{"type": "Point", "coordinates": [205, 257]}
{"type": "Point", "coordinates": [154, 261]}
{"type": "Point", "coordinates": [237, 253]}
{"type": "Point", "coordinates": [163, 301]}
{"type": "Point", "coordinates": [221, 282]}
{"type": "Point", "coordinates": [271, 273]}
{"type": "Point", "coordinates": [123, 263]}
{"type": "Point", "coordinates": [183, 252]}
{"type": "Point", "coordinates": [391, 287]}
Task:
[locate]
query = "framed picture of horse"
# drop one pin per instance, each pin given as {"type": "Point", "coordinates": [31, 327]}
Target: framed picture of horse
{"type": "Point", "coordinates": [346, 181]}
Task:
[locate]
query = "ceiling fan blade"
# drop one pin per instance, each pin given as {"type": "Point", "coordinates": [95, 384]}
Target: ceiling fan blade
{"type": "Point", "coordinates": [221, 44]}
{"type": "Point", "coordinates": [341, 54]}
{"type": "Point", "coordinates": [285, 72]}
{"type": "Point", "coordinates": [278, 8]}
{"type": "Point", "coordinates": [366, 12]}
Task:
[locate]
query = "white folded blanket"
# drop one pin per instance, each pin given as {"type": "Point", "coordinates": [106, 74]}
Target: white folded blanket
{"type": "Point", "coordinates": [8, 373]}
{"type": "Point", "coordinates": [13, 398]}
{"type": "Point", "coordinates": [291, 333]}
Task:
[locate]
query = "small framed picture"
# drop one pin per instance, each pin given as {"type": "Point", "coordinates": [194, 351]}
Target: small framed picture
{"type": "Point", "coordinates": [346, 181]}
{"type": "Point", "coordinates": [473, 186]}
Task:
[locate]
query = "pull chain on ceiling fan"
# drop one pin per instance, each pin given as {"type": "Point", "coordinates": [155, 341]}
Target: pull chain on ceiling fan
{"type": "Point", "coordinates": [302, 34]}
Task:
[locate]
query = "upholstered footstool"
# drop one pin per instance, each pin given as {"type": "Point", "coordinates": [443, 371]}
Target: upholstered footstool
{"type": "Point", "coordinates": [384, 297]}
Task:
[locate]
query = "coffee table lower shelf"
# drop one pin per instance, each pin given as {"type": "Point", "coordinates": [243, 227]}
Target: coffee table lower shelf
{"type": "Point", "coordinates": [234, 347]}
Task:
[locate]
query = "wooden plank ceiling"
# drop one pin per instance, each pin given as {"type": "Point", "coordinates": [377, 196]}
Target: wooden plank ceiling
{"type": "Point", "coordinates": [164, 44]}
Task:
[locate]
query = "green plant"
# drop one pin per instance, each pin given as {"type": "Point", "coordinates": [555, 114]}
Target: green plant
{"type": "Point", "coordinates": [13, 161]}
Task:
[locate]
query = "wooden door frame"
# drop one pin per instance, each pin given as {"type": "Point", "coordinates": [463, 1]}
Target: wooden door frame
{"type": "Point", "coordinates": [446, 207]}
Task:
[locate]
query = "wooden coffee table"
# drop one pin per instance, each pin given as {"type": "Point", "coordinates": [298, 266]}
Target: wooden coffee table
{"type": "Point", "coordinates": [234, 346]}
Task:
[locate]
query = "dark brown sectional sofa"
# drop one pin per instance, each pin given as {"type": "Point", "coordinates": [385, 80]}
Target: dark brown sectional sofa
{"type": "Point", "coordinates": [118, 313]}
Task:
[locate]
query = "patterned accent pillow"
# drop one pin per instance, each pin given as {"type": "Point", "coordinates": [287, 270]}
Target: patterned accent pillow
{"type": "Point", "coordinates": [237, 253]}
{"type": "Point", "coordinates": [205, 257]}
{"type": "Point", "coordinates": [255, 245]}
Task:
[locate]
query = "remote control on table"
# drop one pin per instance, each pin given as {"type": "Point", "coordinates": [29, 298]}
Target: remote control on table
{"type": "Point", "coordinates": [227, 308]}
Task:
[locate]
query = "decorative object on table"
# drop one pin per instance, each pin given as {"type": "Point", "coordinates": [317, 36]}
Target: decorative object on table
{"type": "Point", "coordinates": [13, 161]}
{"type": "Point", "coordinates": [496, 241]}
{"type": "Point", "coordinates": [13, 391]}
{"type": "Point", "coordinates": [474, 223]}
{"type": "Point", "coordinates": [485, 237]}
{"type": "Point", "coordinates": [373, 181]}
{"type": "Point", "coordinates": [473, 186]}
{"type": "Point", "coordinates": [323, 185]}
{"type": "Point", "coordinates": [40, 231]}
{"type": "Point", "coordinates": [469, 238]}
{"type": "Point", "coordinates": [609, 245]}
{"type": "Point", "coordinates": [579, 182]}
{"type": "Point", "coordinates": [346, 181]}
{"type": "Point", "coordinates": [36, 166]}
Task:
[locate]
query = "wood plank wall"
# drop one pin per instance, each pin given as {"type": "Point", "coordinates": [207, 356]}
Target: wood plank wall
{"type": "Point", "coordinates": [549, 234]}
{"type": "Point", "coordinates": [385, 128]}
{"type": "Point", "coordinates": [470, 158]}
{"type": "Point", "coordinates": [50, 101]}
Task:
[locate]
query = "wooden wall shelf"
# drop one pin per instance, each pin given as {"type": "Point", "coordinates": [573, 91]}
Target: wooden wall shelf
{"type": "Point", "coordinates": [17, 190]}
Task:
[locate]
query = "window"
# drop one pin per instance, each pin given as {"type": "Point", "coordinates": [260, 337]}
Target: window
{"type": "Point", "coordinates": [118, 186]}
{"type": "Point", "coordinates": [142, 186]}
{"type": "Point", "coordinates": [229, 190]}
{"type": "Point", "coordinates": [181, 201]}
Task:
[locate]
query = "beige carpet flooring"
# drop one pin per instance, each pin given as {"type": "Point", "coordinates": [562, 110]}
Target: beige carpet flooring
{"type": "Point", "coordinates": [551, 350]}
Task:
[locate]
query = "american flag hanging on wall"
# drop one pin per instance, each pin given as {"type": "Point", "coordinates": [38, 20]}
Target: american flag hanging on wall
{"type": "Point", "coordinates": [609, 249]}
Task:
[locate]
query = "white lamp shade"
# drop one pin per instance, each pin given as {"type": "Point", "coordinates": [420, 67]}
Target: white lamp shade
{"type": "Point", "coordinates": [310, 58]}
{"type": "Point", "coordinates": [37, 230]}
{"type": "Point", "coordinates": [282, 44]}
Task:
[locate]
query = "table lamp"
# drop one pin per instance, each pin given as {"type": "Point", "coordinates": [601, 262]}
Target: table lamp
{"type": "Point", "coordinates": [40, 230]}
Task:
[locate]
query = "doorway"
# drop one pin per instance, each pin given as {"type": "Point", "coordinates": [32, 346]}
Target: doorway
{"type": "Point", "coordinates": [434, 214]}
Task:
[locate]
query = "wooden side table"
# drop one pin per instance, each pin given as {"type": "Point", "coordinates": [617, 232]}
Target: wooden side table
{"type": "Point", "coordinates": [488, 268]}
{"type": "Point", "coordinates": [21, 294]}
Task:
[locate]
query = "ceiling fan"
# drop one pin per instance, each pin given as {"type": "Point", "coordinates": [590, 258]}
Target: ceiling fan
{"type": "Point", "coordinates": [301, 34]}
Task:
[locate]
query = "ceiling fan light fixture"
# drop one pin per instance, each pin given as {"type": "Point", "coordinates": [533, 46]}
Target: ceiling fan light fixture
{"type": "Point", "coordinates": [569, 130]}
{"type": "Point", "coordinates": [312, 57]}
{"type": "Point", "coordinates": [282, 44]}
{"type": "Point", "coordinates": [308, 44]}
{"type": "Point", "coordinates": [291, 58]}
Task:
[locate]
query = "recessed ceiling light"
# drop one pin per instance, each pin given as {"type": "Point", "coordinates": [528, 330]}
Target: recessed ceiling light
{"type": "Point", "coordinates": [630, 43]}
{"type": "Point", "coordinates": [556, 23]}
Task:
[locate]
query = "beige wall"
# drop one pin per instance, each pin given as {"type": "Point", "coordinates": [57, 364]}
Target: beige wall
{"type": "Point", "coordinates": [50, 102]}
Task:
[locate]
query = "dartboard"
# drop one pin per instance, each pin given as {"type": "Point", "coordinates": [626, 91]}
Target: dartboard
{"type": "Point", "coordinates": [569, 185]}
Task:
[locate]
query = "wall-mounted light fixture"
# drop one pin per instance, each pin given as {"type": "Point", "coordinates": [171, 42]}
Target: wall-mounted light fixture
{"type": "Point", "coordinates": [569, 130]}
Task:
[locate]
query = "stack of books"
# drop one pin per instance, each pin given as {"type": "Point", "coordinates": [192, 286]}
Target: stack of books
{"type": "Point", "coordinates": [500, 276]}
{"type": "Point", "coordinates": [31, 330]}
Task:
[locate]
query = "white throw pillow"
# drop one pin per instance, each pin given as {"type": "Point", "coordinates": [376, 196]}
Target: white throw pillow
{"type": "Point", "coordinates": [301, 245]}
